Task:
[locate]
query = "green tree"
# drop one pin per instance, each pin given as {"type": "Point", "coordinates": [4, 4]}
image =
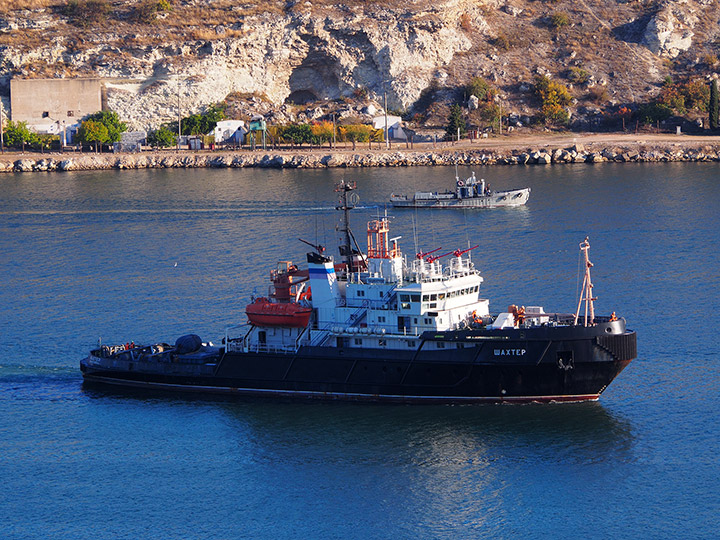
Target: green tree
{"type": "Point", "coordinates": [322, 132]}
{"type": "Point", "coordinates": [298, 134]}
{"type": "Point", "coordinates": [650, 113]}
{"type": "Point", "coordinates": [162, 138]}
{"type": "Point", "coordinates": [92, 131]}
{"type": "Point", "coordinates": [46, 140]}
{"type": "Point", "coordinates": [111, 121]}
{"type": "Point", "coordinates": [491, 113]}
{"type": "Point", "coordinates": [455, 122]}
{"type": "Point", "coordinates": [555, 99]}
{"type": "Point", "coordinates": [17, 135]}
{"type": "Point", "coordinates": [356, 133]}
{"type": "Point", "coordinates": [203, 123]}
{"type": "Point", "coordinates": [671, 97]}
{"type": "Point", "coordinates": [714, 104]}
{"type": "Point", "coordinates": [697, 95]}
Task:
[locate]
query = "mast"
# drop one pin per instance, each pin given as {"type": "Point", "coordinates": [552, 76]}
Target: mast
{"type": "Point", "coordinates": [346, 205]}
{"type": "Point", "coordinates": [586, 294]}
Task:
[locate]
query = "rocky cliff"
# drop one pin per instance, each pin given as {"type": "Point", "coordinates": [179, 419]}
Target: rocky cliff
{"type": "Point", "coordinates": [416, 53]}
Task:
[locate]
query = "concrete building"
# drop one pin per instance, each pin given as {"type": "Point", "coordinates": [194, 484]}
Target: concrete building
{"type": "Point", "coordinates": [54, 105]}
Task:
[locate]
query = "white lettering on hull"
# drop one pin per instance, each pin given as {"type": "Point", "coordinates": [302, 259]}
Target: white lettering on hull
{"type": "Point", "coordinates": [510, 352]}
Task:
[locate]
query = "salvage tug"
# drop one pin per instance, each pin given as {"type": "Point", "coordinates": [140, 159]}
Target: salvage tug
{"type": "Point", "coordinates": [378, 326]}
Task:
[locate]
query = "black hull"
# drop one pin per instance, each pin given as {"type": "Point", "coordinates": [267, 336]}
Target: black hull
{"type": "Point", "coordinates": [551, 365]}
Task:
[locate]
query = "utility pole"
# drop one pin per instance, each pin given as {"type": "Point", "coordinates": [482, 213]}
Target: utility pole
{"type": "Point", "coordinates": [2, 127]}
{"type": "Point", "coordinates": [178, 111]}
{"type": "Point", "coordinates": [387, 138]}
{"type": "Point", "coordinates": [334, 142]}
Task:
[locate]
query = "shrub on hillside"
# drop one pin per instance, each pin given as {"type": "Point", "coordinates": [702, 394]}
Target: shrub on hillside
{"type": "Point", "coordinates": [481, 89]}
{"type": "Point", "coordinates": [559, 20]}
{"type": "Point", "coordinates": [148, 10]}
{"type": "Point", "coordinates": [578, 75]}
{"type": "Point", "coordinates": [686, 96]}
{"type": "Point", "coordinates": [502, 42]}
{"type": "Point", "coordinates": [598, 95]}
{"type": "Point", "coordinates": [555, 98]}
{"type": "Point", "coordinates": [86, 13]}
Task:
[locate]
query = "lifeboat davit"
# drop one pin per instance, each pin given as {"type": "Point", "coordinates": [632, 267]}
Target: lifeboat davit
{"type": "Point", "coordinates": [263, 312]}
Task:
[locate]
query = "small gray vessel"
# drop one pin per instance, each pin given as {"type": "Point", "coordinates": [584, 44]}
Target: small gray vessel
{"type": "Point", "coordinates": [469, 193]}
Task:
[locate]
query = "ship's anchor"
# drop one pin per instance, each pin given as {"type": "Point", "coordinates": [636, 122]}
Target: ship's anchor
{"type": "Point", "coordinates": [566, 366]}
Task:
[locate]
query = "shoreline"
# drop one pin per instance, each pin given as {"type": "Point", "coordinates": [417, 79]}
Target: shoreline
{"type": "Point", "coordinates": [540, 149]}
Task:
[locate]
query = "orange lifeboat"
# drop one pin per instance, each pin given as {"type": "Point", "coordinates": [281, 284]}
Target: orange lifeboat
{"type": "Point", "coordinates": [263, 312]}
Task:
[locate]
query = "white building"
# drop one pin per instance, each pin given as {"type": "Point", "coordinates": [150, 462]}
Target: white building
{"type": "Point", "coordinates": [394, 126]}
{"type": "Point", "coordinates": [230, 132]}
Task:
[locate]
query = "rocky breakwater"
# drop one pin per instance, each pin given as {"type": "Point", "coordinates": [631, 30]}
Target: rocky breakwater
{"type": "Point", "coordinates": [318, 159]}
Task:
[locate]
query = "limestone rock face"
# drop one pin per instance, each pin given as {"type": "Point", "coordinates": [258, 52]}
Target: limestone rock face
{"type": "Point", "coordinates": [669, 31]}
{"type": "Point", "coordinates": [395, 52]}
{"type": "Point", "coordinates": [302, 51]}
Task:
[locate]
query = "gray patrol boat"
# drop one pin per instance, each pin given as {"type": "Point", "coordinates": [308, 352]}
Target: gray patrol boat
{"type": "Point", "coordinates": [469, 193]}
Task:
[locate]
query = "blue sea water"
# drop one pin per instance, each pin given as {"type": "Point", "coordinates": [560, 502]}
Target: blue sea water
{"type": "Point", "coordinates": [150, 255]}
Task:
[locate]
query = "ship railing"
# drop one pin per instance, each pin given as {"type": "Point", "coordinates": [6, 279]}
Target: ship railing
{"type": "Point", "coordinates": [236, 344]}
{"type": "Point", "coordinates": [265, 348]}
{"type": "Point", "coordinates": [460, 266]}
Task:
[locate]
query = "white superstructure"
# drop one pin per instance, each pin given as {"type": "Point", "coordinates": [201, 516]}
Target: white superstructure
{"type": "Point", "coordinates": [386, 302]}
